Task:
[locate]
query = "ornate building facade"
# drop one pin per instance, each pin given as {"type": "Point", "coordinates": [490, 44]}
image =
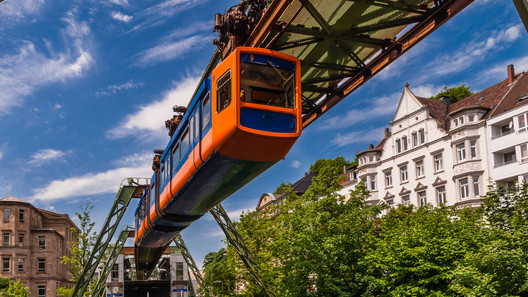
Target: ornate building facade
{"type": "Point", "coordinates": [33, 241]}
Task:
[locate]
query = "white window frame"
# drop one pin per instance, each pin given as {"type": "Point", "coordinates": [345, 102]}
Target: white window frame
{"type": "Point", "coordinates": [464, 187]}
{"type": "Point", "coordinates": [404, 174]}
{"type": "Point", "coordinates": [476, 186]}
{"type": "Point", "coordinates": [415, 139]}
{"type": "Point", "coordinates": [523, 118]}
{"type": "Point", "coordinates": [421, 136]}
{"type": "Point", "coordinates": [524, 155]}
{"type": "Point", "coordinates": [405, 143]}
{"type": "Point", "coordinates": [388, 179]}
{"type": "Point", "coordinates": [406, 199]}
{"type": "Point", "coordinates": [422, 198]}
{"type": "Point", "coordinates": [39, 293]}
{"type": "Point", "coordinates": [461, 151]}
{"type": "Point", "coordinates": [420, 170]}
{"type": "Point", "coordinates": [473, 149]}
{"type": "Point", "coordinates": [372, 182]}
{"type": "Point", "coordinates": [441, 195]}
{"type": "Point", "coordinates": [438, 162]}
{"type": "Point", "coordinates": [398, 146]}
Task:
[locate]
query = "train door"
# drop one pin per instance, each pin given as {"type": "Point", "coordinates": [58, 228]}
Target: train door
{"type": "Point", "coordinates": [205, 127]}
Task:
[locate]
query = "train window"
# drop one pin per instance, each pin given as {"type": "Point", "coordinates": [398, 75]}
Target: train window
{"type": "Point", "coordinates": [175, 157]}
{"type": "Point", "coordinates": [191, 127]}
{"type": "Point", "coordinates": [152, 193]}
{"type": "Point", "coordinates": [267, 85]}
{"type": "Point", "coordinates": [206, 111]}
{"type": "Point", "coordinates": [184, 144]}
{"type": "Point", "coordinates": [196, 124]}
{"type": "Point", "coordinates": [162, 175]}
{"type": "Point", "coordinates": [223, 91]}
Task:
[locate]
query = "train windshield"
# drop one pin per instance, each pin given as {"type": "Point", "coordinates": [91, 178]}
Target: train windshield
{"type": "Point", "coordinates": [267, 84]}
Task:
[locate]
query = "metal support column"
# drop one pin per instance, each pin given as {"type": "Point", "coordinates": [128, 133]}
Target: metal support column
{"type": "Point", "coordinates": [192, 266]}
{"type": "Point", "coordinates": [237, 242]}
{"type": "Point", "coordinates": [99, 289]}
{"type": "Point", "coordinates": [522, 9]}
{"type": "Point", "coordinates": [134, 189]}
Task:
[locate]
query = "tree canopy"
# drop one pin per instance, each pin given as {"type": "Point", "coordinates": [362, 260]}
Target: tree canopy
{"type": "Point", "coordinates": [455, 94]}
{"type": "Point", "coordinates": [321, 244]}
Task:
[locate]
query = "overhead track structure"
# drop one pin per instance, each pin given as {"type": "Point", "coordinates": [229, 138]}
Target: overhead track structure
{"type": "Point", "coordinates": [133, 188]}
{"type": "Point", "coordinates": [522, 9]}
{"type": "Point", "coordinates": [191, 265]}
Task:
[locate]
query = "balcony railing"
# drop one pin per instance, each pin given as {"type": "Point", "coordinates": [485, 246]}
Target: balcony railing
{"type": "Point", "coordinates": [500, 164]}
{"type": "Point", "coordinates": [501, 134]}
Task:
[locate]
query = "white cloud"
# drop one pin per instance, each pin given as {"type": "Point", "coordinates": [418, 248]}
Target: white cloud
{"type": "Point", "coordinates": [166, 51]}
{"type": "Point", "coordinates": [151, 117]}
{"type": "Point", "coordinates": [90, 183]}
{"type": "Point", "coordinates": [28, 69]}
{"type": "Point", "coordinates": [474, 51]}
{"type": "Point", "coordinates": [119, 2]}
{"type": "Point", "coordinates": [159, 13]}
{"type": "Point", "coordinates": [114, 89]}
{"type": "Point", "coordinates": [498, 71]}
{"type": "Point", "coordinates": [44, 156]}
{"type": "Point", "coordinates": [17, 10]}
{"type": "Point", "coordinates": [116, 15]}
{"type": "Point", "coordinates": [373, 136]}
{"type": "Point", "coordinates": [295, 164]}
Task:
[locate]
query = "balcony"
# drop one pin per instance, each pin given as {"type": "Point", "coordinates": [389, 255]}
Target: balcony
{"type": "Point", "coordinates": [503, 133]}
{"type": "Point", "coordinates": [504, 163]}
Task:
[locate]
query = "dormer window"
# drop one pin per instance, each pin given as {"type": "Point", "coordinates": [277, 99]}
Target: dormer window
{"type": "Point", "coordinates": [471, 118]}
{"type": "Point", "coordinates": [455, 122]}
{"type": "Point", "coordinates": [371, 158]}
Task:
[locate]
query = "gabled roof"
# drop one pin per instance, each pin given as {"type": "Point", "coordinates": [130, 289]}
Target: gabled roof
{"type": "Point", "coordinates": [13, 199]}
{"type": "Point", "coordinates": [302, 185]}
{"type": "Point", "coordinates": [437, 110]}
{"type": "Point", "coordinates": [519, 88]}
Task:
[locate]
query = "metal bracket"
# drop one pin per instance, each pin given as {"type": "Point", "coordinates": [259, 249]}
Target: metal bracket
{"type": "Point", "coordinates": [237, 242]}
{"type": "Point", "coordinates": [191, 265]}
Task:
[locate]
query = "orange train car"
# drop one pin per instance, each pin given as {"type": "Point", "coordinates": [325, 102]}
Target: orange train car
{"type": "Point", "coordinates": [244, 118]}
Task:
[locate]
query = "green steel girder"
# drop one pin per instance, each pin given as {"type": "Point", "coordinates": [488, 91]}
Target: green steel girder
{"type": "Point", "coordinates": [298, 42]}
{"type": "Point", "coordinates": [178, 240]}
{"type": "Point", "coordinates": [522, 9]}
{"type": "Point", "coordinates": [357, 39]}
{"type": "Point", "coordinates": [99, 290]}
{"type": "Point", "coordinates": [386, 25]}
{"type": "Point", "coordinates": [234, 238]}
{"type": "Point", "coordinates": [397, 5]}
{"type": "Point", "coordinates": [123, 197]}
{"type": "Point", "coordinates": [337, 67]}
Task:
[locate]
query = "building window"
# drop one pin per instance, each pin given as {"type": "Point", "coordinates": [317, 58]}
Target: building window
{"type": "Point", "coordinates": [403, 174]}
{"type": "Point", "coordinates": [415, 139]}
{"type": "Point", "coordinates": [5, 237]}
{"type": "Point", "coordinates": [464, 188]}
{"type": "Point", "coordinates": [461, 152]}
{"type": "Point", "coordinates": [21, 216]}
{"type": "Point", "coordinates": [421, 132]}
{"type": "Point", "coordinates": [41, 291]}
{"type": "Point", "coordinates": [389, 202]}
{"type": "Point", "coordinates": [522, 122]}
{"type": "Point", "coordinates": [114, 274]}
{"type": "Point", "coordinates": [388, 179]}
{"type": "Point", "coordinates": [455, 122]}
{"type": "Point", "coordinates": [524, 153]}
{"type": "Point", "coordinates": [398, 146]}
{"type": "Point", "coordinates": [438, 162]}
{"type": "Point", "coordinates": [473, 148]}
{"type": "Point", "coordinates": [5, 264]}
{"type": "Point", "coordinates": [41, 242]}
{"type": "Point", "coordinates": [422, 198]}
{"type": "Point", "coordinates": [41, 265]}
{"type": "Point", "coordinates": [7, 213]}
{"type": "Point", "coordinates": [21, 264]}
{"type": "Point", "coordinates": [404, 142]}
{"type": "Point", "coordinates": [476, 187]}
{"type": "Point", "coordinates": [471, 118]}
{"type": "Point", "coordinates": [179, 271]}
{"type": "Point", "coordinates": [420, 168]}
{"type": "Point", "coordinates": [461, 120]}
{"type": "Point", "coordinates": [21, 239]}
{"type": "Point", "coordinates": [372, 183]}
{"type": "Point", "coordinates": [406, 199]}
{"type": "Point", "coordinates": [441, 195]}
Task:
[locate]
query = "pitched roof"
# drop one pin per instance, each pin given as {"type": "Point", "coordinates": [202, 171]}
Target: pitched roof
{"type": "Point", "coordinates": [437, 110]}
{"type": "Point", "coordinates": [13, 199]}
{"type": "Point", "coordinates": [519, 88]}
{"type": "Point", "coordinates": [488, 98]}
{"type": "Point", "coordinates": [302, 185]}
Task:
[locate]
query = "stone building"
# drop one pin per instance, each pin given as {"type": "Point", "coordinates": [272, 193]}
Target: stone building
{"type": "Point", "coordinates": [441, 153]}
{"type": "Point", "coordinates": [33, 241]}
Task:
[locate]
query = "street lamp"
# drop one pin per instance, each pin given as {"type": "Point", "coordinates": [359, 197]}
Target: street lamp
{"type": "Point", "coordinates": [219, 281]}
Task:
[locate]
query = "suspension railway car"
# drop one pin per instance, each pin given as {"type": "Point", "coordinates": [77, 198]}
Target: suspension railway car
{"type": "Point", "coordinates": [244, 118]}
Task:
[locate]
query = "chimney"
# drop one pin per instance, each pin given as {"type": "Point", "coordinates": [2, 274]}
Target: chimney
{"type": "Point", "coordinates": [371, 146]}
{"type": "Point", "coordinates": [511, 73]}
{"type": "Point", "coordinates": [387, 132]}
{"type": "Point", "coordinates": [446, 100]}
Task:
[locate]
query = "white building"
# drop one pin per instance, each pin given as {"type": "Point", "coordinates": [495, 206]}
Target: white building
{"type": "Point", "coordinates": [507, 133]}
{"type": "Point", "coordinates": [438, 152]}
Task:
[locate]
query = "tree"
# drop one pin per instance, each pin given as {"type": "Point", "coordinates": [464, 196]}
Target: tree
{"type": "Point", "coordinates": [282, 188]}
{"type": "Point", "coordinates": [81, 248]}
{"type": "Point", "coordinates": [218, 274]}
{"type": "Point", "coordinates": [455, 94]}
{"type": "Point", "coordinates": [332, 164]}
{"type": "Point", "coordinates": [16, 289]}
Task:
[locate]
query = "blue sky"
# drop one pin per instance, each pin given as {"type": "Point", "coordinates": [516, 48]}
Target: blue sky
{"type": "Point", "coordinates": [85, 88]}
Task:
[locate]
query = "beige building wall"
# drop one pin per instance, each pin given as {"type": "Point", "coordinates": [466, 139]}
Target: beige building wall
{"type": "Point", "coordinates": [32, 242]}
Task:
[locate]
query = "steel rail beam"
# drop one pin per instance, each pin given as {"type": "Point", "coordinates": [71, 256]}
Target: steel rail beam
{"type": "Point", "coordinates": [386, 25]}
{"type": "Point", "coordinates": [418, 32]}
{"type": "Point", "coordinates": [399, 5]}
{"type": "Point", "coordinates": [360, 40]}
{"type": "Point", "coordinates": [522, 9]}
{"type": "Point", "coordinates": [327, 66]}
{"type": "Point", "coordinates": [268, 19]}
{"type": "Point", "coordinates": [234, 238]}
{"type": "Point", "coordinates": [99, 290]}
{"type": "Point", "coordinates": [126, 192]}
{"type": "Point", "coordinates": [178, 240]}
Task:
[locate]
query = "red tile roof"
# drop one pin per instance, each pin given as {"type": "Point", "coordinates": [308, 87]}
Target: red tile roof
{"type": "Point", "coordinates": [519, 88]}
{"type": "Point", "coordinates": [437, 110]}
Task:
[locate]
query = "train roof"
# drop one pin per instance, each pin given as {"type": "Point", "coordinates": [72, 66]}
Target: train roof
{"type": "Point", "coordinates": [204, 87]}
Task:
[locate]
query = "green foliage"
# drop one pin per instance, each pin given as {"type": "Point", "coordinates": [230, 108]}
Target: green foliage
{"type": "Point", "coordinates": [16, 289]}
{"type": "Point", "coordinates": [218, 273]}
{"type": "Point", "coordinates": [81, 248]}
{"type": "Point", "coordinates": [321, 244]}
{"type": "Point", "coordinates": [455, 94]}
{"type": "Point", "coordinates": [330, 165]}
{"type": "Point", "coordinates": [283, 187]}
{"type": "Point", "coordinates": [4, 283]}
